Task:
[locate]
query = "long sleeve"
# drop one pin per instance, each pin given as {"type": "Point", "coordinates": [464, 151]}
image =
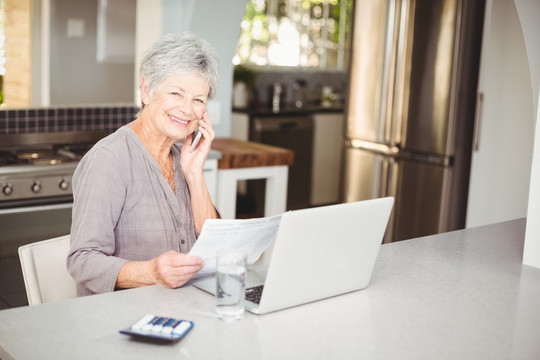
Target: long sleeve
{"type": "Point", "coordinates": [124, 210]}
{"type": "Point", "coordinates": [99, 195]}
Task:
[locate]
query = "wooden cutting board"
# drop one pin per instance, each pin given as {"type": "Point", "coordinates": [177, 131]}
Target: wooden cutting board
{"type": "Point", "coordinates": [242, 154]}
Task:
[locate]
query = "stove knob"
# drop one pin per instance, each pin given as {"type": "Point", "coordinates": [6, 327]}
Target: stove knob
{"type": "Point", "coordinates": [36, 187]}
{"type": "Point", "coordinates": [63, 184]}
{"type": "Point", "coordinates": [7, 190]}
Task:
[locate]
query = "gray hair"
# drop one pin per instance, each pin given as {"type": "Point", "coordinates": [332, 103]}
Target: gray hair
{"type": "Point", "coordinates": [180, 54]}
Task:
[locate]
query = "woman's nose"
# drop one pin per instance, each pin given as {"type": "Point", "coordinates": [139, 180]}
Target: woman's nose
{"type": "Point", "coordinates": [186, 106]}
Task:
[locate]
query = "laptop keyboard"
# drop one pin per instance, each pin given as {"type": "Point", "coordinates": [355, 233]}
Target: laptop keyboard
{"type": "Point", "coordinates": [253, 294]}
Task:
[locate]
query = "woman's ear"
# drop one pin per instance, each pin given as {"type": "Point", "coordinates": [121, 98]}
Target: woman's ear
{"type": "Point", "coordinates": [145, 92]}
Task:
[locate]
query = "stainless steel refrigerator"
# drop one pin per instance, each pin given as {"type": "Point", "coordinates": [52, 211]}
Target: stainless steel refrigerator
{"type": "Point", "coordinates": [411, 110]}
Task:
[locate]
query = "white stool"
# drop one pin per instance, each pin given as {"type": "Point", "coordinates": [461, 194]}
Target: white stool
{"type": "Point", "coordinates": [244, 160]}
{"type": "Point", "coordinates": [275, 198]}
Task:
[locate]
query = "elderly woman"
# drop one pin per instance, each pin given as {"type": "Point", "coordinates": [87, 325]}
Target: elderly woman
{"type": "Point", "coordinates": [140, 200]}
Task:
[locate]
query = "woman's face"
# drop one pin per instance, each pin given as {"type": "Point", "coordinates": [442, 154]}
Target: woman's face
{"type": "Point", "coordinates": [177, 105]}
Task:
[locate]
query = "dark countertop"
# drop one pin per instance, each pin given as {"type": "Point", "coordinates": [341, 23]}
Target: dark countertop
{"type": "Point", "coordinates": [288, 111]}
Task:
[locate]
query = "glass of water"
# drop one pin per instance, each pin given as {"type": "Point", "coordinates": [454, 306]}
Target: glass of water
{"type": "Point", "coordinates": [231, 269]}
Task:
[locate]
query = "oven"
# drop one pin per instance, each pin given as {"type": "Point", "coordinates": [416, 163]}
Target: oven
{"type": "Point", "coordinates": [35, 185]}
{"type": "Point", "coordinates": [35, 197]}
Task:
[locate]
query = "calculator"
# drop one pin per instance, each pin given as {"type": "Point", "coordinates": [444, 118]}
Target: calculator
{"type": "Point", "coordinates": [160, 328]}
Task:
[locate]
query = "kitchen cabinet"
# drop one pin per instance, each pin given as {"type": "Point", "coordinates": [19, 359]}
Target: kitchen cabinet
{"type": "Point", "coordinates": [326, 148]}
{"type": "Point", "coordinates": [240, 126]}
{"type": "Point", "coordinates": [293, 132]}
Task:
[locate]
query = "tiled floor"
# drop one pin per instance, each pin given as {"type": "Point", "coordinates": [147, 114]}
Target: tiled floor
{"type": "Point", "coordinates": [12, 291]}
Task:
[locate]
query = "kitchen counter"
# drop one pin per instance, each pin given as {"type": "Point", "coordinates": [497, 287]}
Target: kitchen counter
{"type": "Point", "coordinates": [458, 295]}
{"type": "Point", "coordinates": [244, 154]}
{"type": "Point", "coordinates": [245, 160]}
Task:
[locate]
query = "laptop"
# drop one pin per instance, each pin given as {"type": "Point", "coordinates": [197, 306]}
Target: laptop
{"type": "Point", "coordinates": [318, 253]}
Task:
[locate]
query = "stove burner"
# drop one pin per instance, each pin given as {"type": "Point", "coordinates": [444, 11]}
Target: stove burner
{"type": "Point", "coordinates": [75, 151]}
{"type": "Point", "coordinates": [40, 156]}
{"type": "Point", "coordinates": [7, 158]}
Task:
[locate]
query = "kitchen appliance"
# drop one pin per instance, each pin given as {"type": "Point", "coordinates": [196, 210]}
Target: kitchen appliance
{"type": "Point", "coordinates": [411, 110]}
{"type": "Point", "coordinates": [294, 133]}
{"type": "Point", "coordinates": [35, 185]}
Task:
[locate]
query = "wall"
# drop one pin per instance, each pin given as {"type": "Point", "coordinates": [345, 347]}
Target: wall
{"type": "Point", "coordinates": [531, 252]}
{"type": "Point", "coordinates": [147, 31]}
{"type": "Point", "coordinates": [17, 80]}
{"type": "Point", "coordinates": [529, 14]}
{"type": "Point", "coordinates": [116, 31]}
{"type": "Point", "coordinates": [501, 166]}
{"type": "Point", "coordinates": [218, 22]}
{"type": "Point", "coordinates": [76, 77]}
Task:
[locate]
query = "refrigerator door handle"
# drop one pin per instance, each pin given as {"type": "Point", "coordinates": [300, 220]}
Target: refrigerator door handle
{"type": "Point", "coordinates": [478, 120]}
{"type": "Point", "coordinates": [402, 70]}
{"type": "Point", "coordinates": [373, 147]}
{"type": "Point", "coordinates": [388, 75]}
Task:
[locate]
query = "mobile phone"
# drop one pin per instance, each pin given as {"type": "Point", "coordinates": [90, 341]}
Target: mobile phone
{"type": "Point", "coordinates": [195, 140]}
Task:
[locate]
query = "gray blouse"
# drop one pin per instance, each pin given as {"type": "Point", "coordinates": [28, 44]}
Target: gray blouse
{"type": "Point", "coordinates": [124, 209]}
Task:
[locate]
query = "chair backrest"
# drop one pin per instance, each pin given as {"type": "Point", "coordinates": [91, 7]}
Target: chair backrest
{"type": "Point", "coordinates": [44, 270]}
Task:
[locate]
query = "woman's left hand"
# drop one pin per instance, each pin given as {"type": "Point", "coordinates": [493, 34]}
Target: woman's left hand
{"type": "Point", "coordinates": [193, 161]}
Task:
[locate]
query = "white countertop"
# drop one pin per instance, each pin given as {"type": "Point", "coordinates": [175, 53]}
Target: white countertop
{"type": "Point", "coordinates": [214, 154]}
{"type": "Point", "coordinates": [459, 295]}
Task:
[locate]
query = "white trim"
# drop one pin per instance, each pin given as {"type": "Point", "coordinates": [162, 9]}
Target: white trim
{"type": "Point", "coordinates": [276, 188]}
{"type": "Point", "coordinates": [45, 53]}
{"type": "Point", "coordinates": [147, 31]}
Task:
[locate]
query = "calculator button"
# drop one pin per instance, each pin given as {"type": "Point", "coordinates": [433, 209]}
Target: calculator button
{"type": "Point", "coordinates": [175, 323]}
{"type": "Point", "coordinates": [180, 329]}
{"type": "Point", "coordinates": [167, 326]}
{"type": "Point", "coordinates": [150, 324]}
{"type": "Point", "coordinates": [145, 320]}
{"type": "Point", "coordinates": [158, 325]}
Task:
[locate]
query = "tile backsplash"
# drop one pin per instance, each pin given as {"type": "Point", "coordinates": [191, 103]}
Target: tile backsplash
{"type": "Point", "coordinates": [53, 119]}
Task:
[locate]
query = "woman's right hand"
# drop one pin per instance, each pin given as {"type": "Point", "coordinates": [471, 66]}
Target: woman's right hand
{"type": "Point", "coordinates": [173, 269]}
{"type": "Point", "coordinates": [193, 162]}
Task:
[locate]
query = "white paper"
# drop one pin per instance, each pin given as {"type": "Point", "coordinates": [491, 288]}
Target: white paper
{"type": "Point", "coordinates": [253, 236]}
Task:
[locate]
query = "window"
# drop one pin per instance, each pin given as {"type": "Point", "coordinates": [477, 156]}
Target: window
{"type": "Point", "coordinates": [295, 33]}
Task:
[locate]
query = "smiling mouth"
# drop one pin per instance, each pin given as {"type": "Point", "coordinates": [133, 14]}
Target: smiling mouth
{"type": "Point", "coordinates": [179, 121]}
